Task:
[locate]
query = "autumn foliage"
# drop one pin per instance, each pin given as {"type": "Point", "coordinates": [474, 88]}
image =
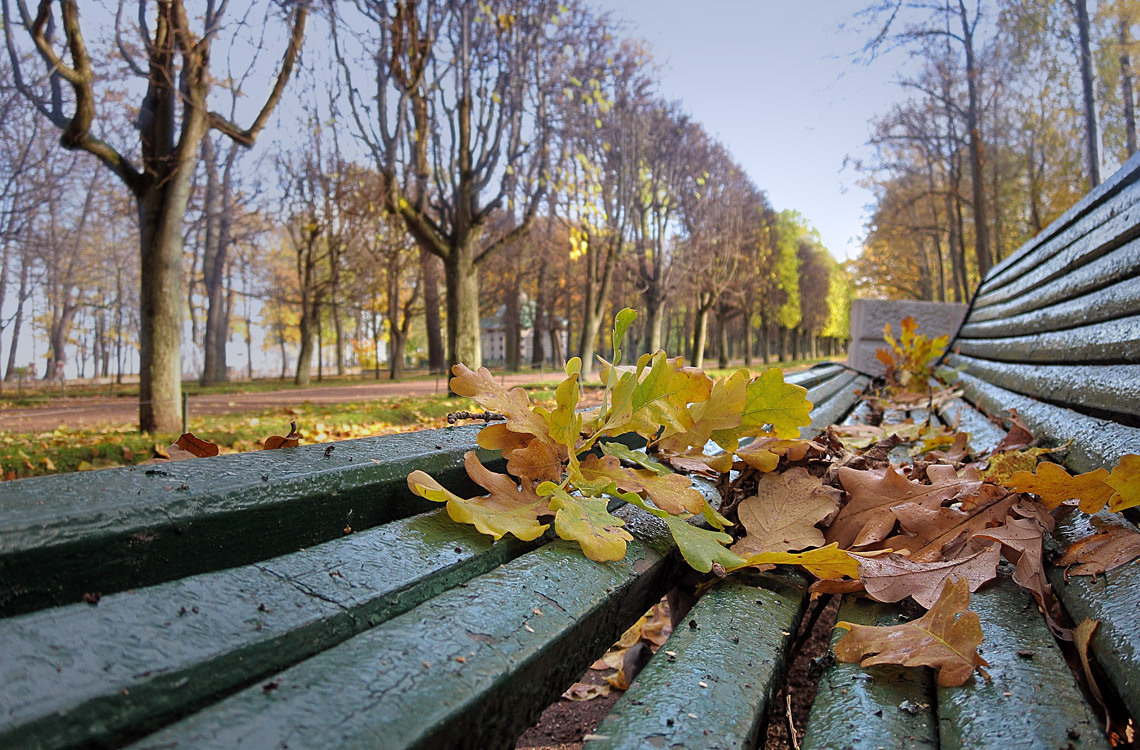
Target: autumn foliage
{"type": "Point", "coordinates": [891, 511]}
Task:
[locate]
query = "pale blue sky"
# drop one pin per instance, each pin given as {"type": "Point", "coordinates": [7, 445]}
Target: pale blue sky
{"type": "Point", "coordinates": [776, 82]}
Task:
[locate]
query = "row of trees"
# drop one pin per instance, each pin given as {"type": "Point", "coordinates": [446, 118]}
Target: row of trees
{"type": "Point", "coordinates": [1016, 107]}
{"type": "Point", "coordinates": [425, 144]}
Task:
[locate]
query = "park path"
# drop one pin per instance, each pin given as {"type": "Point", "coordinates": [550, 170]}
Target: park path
{"type": "Point", "coordinates": [71, 413]}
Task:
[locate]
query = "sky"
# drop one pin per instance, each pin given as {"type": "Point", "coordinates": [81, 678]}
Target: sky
{"type": "Point", "coordinates": [777, 83]}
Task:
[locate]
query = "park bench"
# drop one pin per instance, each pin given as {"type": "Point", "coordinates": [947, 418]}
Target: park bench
{"type": "Point", "coordinates": [304, 598]}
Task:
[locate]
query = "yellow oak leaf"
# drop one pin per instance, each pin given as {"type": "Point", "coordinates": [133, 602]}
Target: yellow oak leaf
{"type": "Point", "coordinates": [1125, 480]}
{"type": "Point", "coordinates": [514, 404]}
{"type": "Point", "coordinates": [1054, 486]}
{"type": "Point", "coordinates": [672, 493]}
{"type": "Point", "coordinates": [538, 460]}
{"type": "Point", "coordinates": [509, 509]}
{"type": "Point", "coordinates": [769, 401]}
{"type": "Point", "coordinates": [498, 437]}
{"type": "Point", "coordinates": [763, 454]}
{"type": "Point", "coordinates": [824, 562]}
{"type": "Point", "coordinates": [565, 424]}
{"type": "Point", "coordinates": [587, 521]}
{"type": "Point", "coordinates": [945, 638]}
{"type": "Point", "coordinates": [783, 513]}
{"type": "Point", "coordinates": [721, 411]}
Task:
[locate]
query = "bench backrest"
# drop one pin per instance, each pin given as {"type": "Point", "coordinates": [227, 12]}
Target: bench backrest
{"type": "Point", "coordinates": [1054, 329]}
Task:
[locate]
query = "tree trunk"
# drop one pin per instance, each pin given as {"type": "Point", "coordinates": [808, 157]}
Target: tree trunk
{"type": "Point", "coordinates": [973, 125]}
{"type": "Point", "coordinates": [462, 277]}
{"type": "Point", "coordinates": [212, 264]}
{"type": "Point", "coordinates": [512, 328]}
{"type": "Point", "coordinates": [309, 326]}
{"type": "Point", "coordinates": [338, 329]}
{"type": "Point", "coordinates": [723, 353]}
{"type": "Point", "coordinates": [429, 269]}
{"type": "Point", "coordinates": [18, 323]}
{"type": "Point", "coordinates": [654, 313]}
{"type": "Point", "coordinates": [700, 334]}
{"type": "Point", "coordinates": [161, 211]}
{"type": "Point", "coordinates": [1088, 94]}
{"type": "Point", "coordinates": [1126, 84]}
{"type": "Point", "coordinates": [541, 317]}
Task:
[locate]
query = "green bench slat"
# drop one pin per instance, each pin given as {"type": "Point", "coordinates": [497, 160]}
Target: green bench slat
{"type": "Point", "coordinates": [715, 692]}
{"type": "Point", "coordinates": [70, 675]}
{"type": "Point", "coordinates": [1105, 200]}
{"type": "Point", "coordinates": [857, 708]}
{"type": "Point", "coordinates": [1108, 388]}
{"type": "Point", "coordinates": [1029, 702]}
{"type": "Point", "coordinates": [1096, 442]}
{"type": "Point", "coordinates": [1114, 600]}
{"type": "Point", "coordinates": [104, 531]}
{"type": "Point", "coordinates": [1109, 342]}
{"type": "Point", "coordinates": [1102, 290]}
{"type": "Point", "coordinates": [834, 408]}
{"type": "Point", "coordinates": [402, 684]}
{"type": "Point", "coordinates": [1099, 231]}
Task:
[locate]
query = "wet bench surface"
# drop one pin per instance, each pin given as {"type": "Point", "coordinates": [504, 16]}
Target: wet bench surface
{"type": "Point", "coordinates": [235, 610]}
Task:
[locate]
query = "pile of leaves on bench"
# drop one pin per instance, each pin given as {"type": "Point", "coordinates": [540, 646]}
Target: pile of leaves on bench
{"type": "Point", "coordinates": [932, 527]}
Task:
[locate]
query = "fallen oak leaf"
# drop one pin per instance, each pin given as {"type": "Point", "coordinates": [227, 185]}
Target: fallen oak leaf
{"type": "Point", "coordinates": [1125, 480]}
{"type": "Point", "coordinates": [932, 532]}
{"type": "Point", "coordinates": [769, 400]}
{"type": "Point", "coordinates": [1022, 543]}
{"type": "Point", "coordinates": [1107, 549]}
{"type": "Point", "coordinates": [508, 509]}
{"type": "Point", "coordinates": [824, 562]}
{"type": "Point", "coordinates": [1018, 437]}
{"type": "Point", "coordinates": [492, 396]}
{"type": "Point", "coordinates": [869, 517]}
{"type": "Point", "coordinates": [1054, 486]}
{"type": "Point", "coordinates": [783, 513]}
{"type": "Point", "coordinates": [946, 638]}
{"type": "Point", "coordinates": [672, 493]}
{"type": "Point", "coordinates": [582, 691]}
{"type": "Point", "coordinates": [291, 440]}
{"type": "Point", "coordinates": [587, 520]}
{"type": "Point", "coordinates": [892, 577]}
{"type": "Point", "coordinates": [195, 446]}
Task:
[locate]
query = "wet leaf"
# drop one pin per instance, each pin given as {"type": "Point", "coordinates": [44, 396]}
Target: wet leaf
{"type": "Point", "coordinates": [764, 453]}
{"type": "Point", "coordinates": [565, 424]}
{"type": "Point", "coordinates": [1125, 480]}
{"type": "Point", "coordinates": [672, 493]}
{"type": "Point", "coordinates": [946, 638]}
{"type": "Point", "coordinates": [868, 516]}
{"type": "Point", "coordinates": [582, 691]}
{"type": "Point", "coordinates": [1054, 486]}
{"type": "Point", "coordinates": [509, 509]}
{"type": "Point", "coordinates": [892, 578]}
{"type": "Point", "coordinates": [291, 440]}
{"type": "Point", "coordinates": [701, 547]}
{"type": "Point", "coordinates": [587, 521]}
{"type": "Point", "coordinates": [783, 514]}
{"type": "Point", "coordinates": [933, 532]}
{"type": "Point", "coordinates": [824, 562]}
{"type": "Point", "coordinates": [1107, 549]}
{"type": "Point", "coordinates": [188, 446]}
{"type": "Point", "coordinates": [538, 460]}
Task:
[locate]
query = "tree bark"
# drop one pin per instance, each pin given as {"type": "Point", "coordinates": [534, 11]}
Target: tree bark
{"type": "Point", "coordinates": [463, 344]}
{"type": "Point", "coordinates": [973, 125]}
{"type": "Point", "coordinates": [429, 269]}
{"type": "Point", "coordinates": [1088, 93]}
{"type": "Point", "coordinates": [1127, 95]}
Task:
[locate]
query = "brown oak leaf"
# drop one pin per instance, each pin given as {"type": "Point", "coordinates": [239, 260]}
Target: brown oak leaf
{"type": "Point", "coordinates": [672, 493]}
{"type": "Point", "coordinates": [868, 518]}
{"type": "Point", "coordinates": [783, 514]}
{"type": "Point", "coordinates": [540, 459]}
{"type": "Point", "coordinates": [932, 532]}
{"type": "Point", "coordinates": [945, 638]}
{"type": "Point", "coordinates": [1106, 550]}
{"type": "Point", "coordinates": [892, 578]}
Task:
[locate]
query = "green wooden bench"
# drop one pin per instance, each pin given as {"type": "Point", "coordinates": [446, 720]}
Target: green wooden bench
{"type": "Point", "coordinates": [300, 598]}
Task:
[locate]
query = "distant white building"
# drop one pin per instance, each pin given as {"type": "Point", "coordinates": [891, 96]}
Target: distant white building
{"type": "Point", "coordinates": [493, 337]}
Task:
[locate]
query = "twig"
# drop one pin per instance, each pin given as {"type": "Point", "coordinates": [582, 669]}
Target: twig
{"type": "Point", "coordinates": [791, 724]}
{"type": "Point", "coordinates": [487, 416]}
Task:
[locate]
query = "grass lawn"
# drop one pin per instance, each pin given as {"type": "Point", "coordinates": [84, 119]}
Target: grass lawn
{"type": "Point", "coordinates": [35, 454]}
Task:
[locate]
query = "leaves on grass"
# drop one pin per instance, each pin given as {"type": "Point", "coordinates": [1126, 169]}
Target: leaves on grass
{"type": "Point", "coordinates": [946, 638]}
{"type": "Point", "coordinates": [783, 514]}
{"type": "Point", "coordinates": [1054, 486]}
{"type": "Point", "coordinates": [291, 440]}
{"type": "Point", "coordinates": [892, 577]}
{"type": "Point", "coordinates": [1107, 549]}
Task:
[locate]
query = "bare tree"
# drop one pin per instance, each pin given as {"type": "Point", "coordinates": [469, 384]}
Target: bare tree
{"type": "Point", "coordinates": [459, 126]}
{"type": "Point", "coordinates": [172, 119]}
